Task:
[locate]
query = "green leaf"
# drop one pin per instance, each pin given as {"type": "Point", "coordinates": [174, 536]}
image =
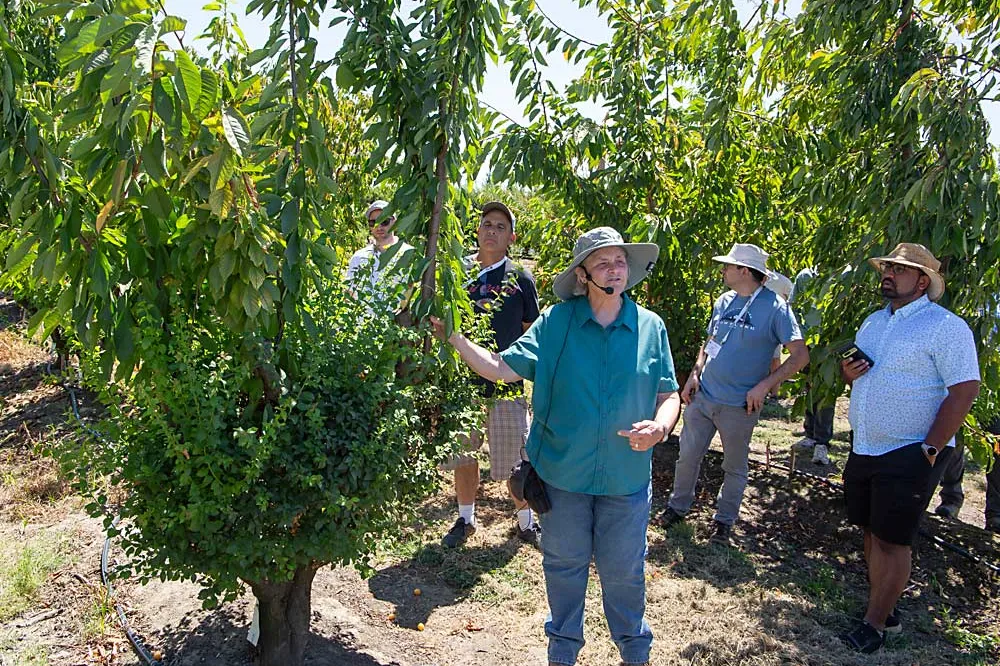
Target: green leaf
{"type": "Point", "coordinates": [289, 217]}
{"type": "Point", "coordinates": [124, 342]}
{"type": "Point", "coordinates": [187, 81]}
{"type": "Point", "coordinates": [209, 94]}
{"type": "Point", "coordinates": [346, 78]}
{"type": "Point", "coordinates": [20, 251]}
{"type": "Point", "coordinates": [172, 24]}
{"type": "Point", "coordinates": [227, 262]}
{"type": "Point", "coordinates": [235, 127]}
{"type": "Point", "coordinates": [129, 7]}
{"type": "Point", "coordinates": [145, 49]}
{"type": "Point", "coordinates": [158, 201]}
{"type": "Point", "coordinates": [154, 157]}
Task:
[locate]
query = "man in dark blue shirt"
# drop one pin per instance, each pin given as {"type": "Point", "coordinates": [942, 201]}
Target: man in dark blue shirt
{"type": "Point", "coordinates": [507, 293]}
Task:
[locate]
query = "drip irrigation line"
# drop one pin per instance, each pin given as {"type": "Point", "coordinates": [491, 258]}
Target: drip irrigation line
{"type": "Point", "coordinates": [140, 649]}
{"type": "Point", "coordinates": [138, 645]}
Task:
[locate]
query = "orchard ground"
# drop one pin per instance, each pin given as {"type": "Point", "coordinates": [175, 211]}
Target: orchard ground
{"type": "Point", "coordinates": [793, 580]}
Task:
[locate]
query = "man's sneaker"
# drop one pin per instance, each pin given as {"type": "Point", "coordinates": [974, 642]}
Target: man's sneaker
{"type": "Point", "coordinates": [723, 534]}
{"type": "Point", "coordinates": [821, 455]}
{"type": "Point", "coordinates": [669, 518]}
{"type": "Point", "coordinates": [863, 638]}
{"type": "Point", "coordinates": [805, 443]}
{"type": "Point", "coordinates": [531, 535]}
{"type": "Point", "coordinates": [893, 625]}
{"type": "Point", "coordinates": [458, 534]}
{"type": "Point", "coordinates": [947, 511]}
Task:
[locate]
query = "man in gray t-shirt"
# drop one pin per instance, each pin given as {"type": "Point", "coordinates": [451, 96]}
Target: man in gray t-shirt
{"type": "Point", "coordinates": [730, 379]}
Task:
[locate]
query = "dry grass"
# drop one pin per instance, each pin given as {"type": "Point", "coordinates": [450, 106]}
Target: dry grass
{"type": "Point", "coordinates": [780, 597]}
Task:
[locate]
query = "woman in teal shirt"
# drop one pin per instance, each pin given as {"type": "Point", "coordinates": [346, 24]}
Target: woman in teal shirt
{"type": "Point", "coordinates": [604, 394]}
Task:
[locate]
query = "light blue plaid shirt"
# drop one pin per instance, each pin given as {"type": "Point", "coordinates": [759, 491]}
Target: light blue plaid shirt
{"type": "Point", "coordinates": [919, 351]}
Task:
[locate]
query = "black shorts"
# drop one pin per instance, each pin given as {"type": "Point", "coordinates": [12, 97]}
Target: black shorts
{"type": "Point", "coordinates": [888, 494]}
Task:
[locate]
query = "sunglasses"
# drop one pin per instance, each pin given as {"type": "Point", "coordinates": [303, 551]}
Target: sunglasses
{"type": "Point", "coordinates": [895, 269]}
{"type": "Point", "coordinates": [384, 223]}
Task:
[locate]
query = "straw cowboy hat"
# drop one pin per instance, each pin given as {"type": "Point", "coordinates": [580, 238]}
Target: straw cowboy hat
{"type": "Point", "coordinates": [919, 257]}
{"type": "Point", "coordinates": [640, 256]}
{"type": "Point", "coordinates": [745, 254]}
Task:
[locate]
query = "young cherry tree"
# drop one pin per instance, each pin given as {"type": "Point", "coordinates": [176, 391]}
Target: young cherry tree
{"type": "Point", "coordinates": [191, 215]}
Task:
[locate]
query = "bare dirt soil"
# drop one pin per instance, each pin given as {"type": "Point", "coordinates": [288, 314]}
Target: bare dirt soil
{"type": "Point", "coordinates": [793, 580]}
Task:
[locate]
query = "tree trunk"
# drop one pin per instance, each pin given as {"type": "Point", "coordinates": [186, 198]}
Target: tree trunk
{"type": "Point", "coordinates": [284, 610]}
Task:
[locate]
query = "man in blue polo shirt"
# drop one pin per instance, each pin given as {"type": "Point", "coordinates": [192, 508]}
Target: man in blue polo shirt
{"type": "Point", "coordinates": [906, 407]}
{"type": "Point", "coordinates": [726, 389]}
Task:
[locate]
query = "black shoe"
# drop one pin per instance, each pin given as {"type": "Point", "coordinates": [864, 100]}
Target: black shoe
{"type": "Point", "coordinates": [993, 525]}
{"type": "Point", "coordinates": [892, 623]}
{"type": "Point", "coordinates": [531, 535]}
{"type": "Point", "coordinates": [864, 638]}
{"type": "Point", "coordinates": [458, 534]}
{"type": "Point", "coordinates": [723, 534]}
{"type": "Point", "coordinates": [947, 511]}
{"type": "Point", "coordinates": [669, 518]}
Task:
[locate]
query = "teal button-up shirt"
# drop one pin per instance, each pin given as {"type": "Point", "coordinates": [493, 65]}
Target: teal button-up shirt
{"type": "Point", "coordinates": [589, 383]}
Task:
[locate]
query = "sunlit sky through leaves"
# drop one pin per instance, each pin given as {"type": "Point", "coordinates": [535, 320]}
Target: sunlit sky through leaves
{"type": "Point", "coordinates": [498, 90]}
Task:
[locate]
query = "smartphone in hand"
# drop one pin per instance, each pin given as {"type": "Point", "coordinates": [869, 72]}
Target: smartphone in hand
{"type": "Point", "coordinates": [853, 352]}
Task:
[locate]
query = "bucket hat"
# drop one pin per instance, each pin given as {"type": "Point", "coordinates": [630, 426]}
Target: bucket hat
{"type": "Point", "coordinates": [640, 257]}
{"type": "Point", "coordinates": [779, 284]}
{"type": "Point", "coordinates": [745, 254]}
{"type": "Point", "coordinates": [919, 257]}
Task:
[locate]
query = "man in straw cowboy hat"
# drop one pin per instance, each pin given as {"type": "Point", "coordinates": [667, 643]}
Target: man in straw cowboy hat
{"type": "Point", "coordinates": [729, 382]}
{"type": "Point", "coordinates": [906, 406]}
{"type": "Point", "coordinates": [604, 395]}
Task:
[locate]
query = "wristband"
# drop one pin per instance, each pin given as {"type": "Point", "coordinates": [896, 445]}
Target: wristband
{"type": "Point", "coordinates": [929, 451]}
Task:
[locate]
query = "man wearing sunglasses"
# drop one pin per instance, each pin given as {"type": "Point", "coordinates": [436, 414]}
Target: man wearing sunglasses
{"type": "Point", "coordinates": [906, 406]}
{"type": "Point", "coordinates": [368, 265]}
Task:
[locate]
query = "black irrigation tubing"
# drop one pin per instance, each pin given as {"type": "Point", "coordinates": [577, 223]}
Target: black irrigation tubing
{"type": "Point", "coordinates": [140, 649]}
{"type": "Point", "coordinates": [138, 646]}
{"type": "Point", "coordinates": [937, 540]}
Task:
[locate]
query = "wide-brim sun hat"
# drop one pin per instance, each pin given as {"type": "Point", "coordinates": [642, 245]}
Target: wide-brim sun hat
{"type": "Point", "coordinates": [640, 256]}
{"type": "Point", "coordinates": [919, 257]}
{"type": "Point", "coordinates": [779, 284]}
{"type": "Point", "coordinates": [745, 254]}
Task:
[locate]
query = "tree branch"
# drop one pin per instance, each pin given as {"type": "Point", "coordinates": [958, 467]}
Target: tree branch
{"type": "Point", "coordinates": [498, 111]}
{"type": "Point", "coordinates": [964, 58]}
{"type": "Point", "coordinates": [562, 29]}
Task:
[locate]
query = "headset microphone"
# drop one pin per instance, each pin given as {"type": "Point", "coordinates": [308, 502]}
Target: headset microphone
{"type": "Point", "coordinates": [606, 290]}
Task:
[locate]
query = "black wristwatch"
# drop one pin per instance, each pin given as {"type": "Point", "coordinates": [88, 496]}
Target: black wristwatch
{"type": "Point", "coordinates": [929, 451]}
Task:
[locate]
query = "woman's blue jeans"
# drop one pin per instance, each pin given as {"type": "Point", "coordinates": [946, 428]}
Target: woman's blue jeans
{"type": "Point", "coordinates": [611, 529]}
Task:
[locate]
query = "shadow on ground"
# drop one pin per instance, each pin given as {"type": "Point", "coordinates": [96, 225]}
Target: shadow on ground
{"type": "Point", "coordinates": [793, 536]}
{"type": "Point", "coordinates": [444, 577]}
{"type": "Point", "coordinates": [220, 639]}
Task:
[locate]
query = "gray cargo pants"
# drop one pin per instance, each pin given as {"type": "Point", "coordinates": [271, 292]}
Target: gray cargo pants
{"type": "Point", "coordinates": [702, 418]}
